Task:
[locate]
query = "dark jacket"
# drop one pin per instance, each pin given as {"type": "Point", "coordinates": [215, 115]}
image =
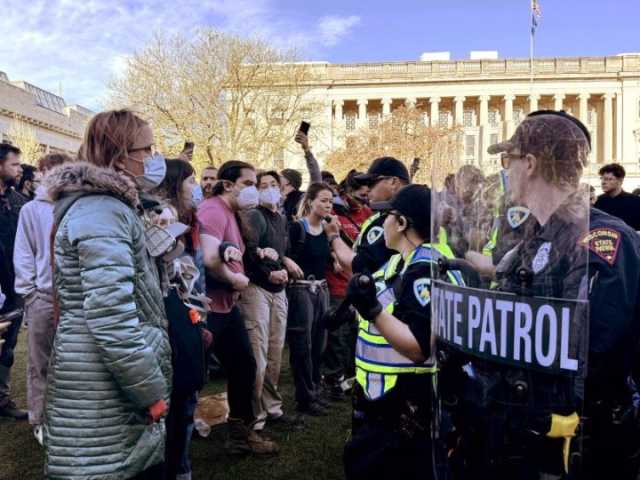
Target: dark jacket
{"type": "Point", "coordinates": [267, 229]}
{"type": "Point", "coordinates": [10, 204]}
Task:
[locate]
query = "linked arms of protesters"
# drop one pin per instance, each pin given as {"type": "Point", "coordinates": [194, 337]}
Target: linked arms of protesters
{"type": "Point", "coordinates": [216, 258]}
{"type": "Point", "coordinates": [312, 164]}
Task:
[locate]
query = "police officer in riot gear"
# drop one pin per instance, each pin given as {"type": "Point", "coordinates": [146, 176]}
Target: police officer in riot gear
{"type": "Point", "coordinates": [393, 395]}
{"type": "Point", "coordinates": [385, 176]}
{"type": "Point", "coordinates": [611, 435]}
{"type": "Point", "coordinates": [570, 417]}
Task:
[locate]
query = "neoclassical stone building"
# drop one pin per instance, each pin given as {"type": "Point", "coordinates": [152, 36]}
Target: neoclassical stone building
{"type": "Point", "coordinates": [488, 98]}
{"type": "Point", "coordinates": [58, 127]}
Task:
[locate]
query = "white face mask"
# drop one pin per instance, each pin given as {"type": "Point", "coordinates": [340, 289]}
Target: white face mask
{"type": "Point", "coordinates": [270, 197]}
{"type": "Point", "coordinates": [155, 169]}
{"type": "Point", "coordinates": [248, 198]}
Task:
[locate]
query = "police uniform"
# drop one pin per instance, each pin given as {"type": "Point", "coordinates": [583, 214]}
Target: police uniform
{"type": "Point", "coordinates": [392, 394]}
{"type": "Point", "coordinates": [371, 251]}
{"type": "Point", "coordinates": [611, 430]}
{"type": "Point", "coordinates": [548, 263]}
{"type": "Point", "coordinates": [392, 400]}
{"type": "Point", "coordinates": [612, 250]}
{"type": "Point", "coordinates": [515, 422]}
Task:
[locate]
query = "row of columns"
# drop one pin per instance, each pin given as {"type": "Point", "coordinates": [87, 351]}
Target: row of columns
{"type": "Point", "coordinates": [508, 100]}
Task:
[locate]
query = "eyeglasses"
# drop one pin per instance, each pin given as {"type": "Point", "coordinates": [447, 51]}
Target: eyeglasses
{"type": "Point", "coordinates": [378, 179]}
{"type": "Point", "coordinates": [505, 159]}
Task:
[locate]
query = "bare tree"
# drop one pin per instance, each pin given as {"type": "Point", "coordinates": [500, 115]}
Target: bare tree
{"type": "Point", "coordinates": [24, 137]}
{"type": "Point", "coordinates": [233, 97]}
{"type": "Point", "coordinates": [405, 136]}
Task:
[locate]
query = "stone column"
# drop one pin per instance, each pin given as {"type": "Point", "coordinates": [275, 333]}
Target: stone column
{"type": "Point", "coordinates": [435, 111]}
{"type": "Point", "coordinates": [508, 115]}
{"type": "Point", "coordinates": [583, 99]}
{"type": "Point", "coordinates": [483, 123]}
{"type": "Point", "coordinates": [619, 135]}
{"type": "Point", "coordinates": [362, 111]}
{"type": "Point", "coordinates": [338, 105]}
{"type": "Point", "coordinates": [386, 107]}
{"type": "Point", "coordinates": [607, 130]}
{"type": "Point", "coordinates": [459, 110]}
{"type": "Point", "coordinates": [558, 100]}
{"type": "Point", "coordinates": [533, 102]}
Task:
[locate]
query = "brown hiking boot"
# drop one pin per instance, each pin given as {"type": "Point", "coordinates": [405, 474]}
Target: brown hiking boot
{"type": "Point", "coordinates": [261, 445]}
{"type": "Point", "coordinates": [242, 440]}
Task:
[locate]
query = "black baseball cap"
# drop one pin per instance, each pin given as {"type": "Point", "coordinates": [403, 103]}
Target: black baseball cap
{"type": "Point", "coordinates": [413, 202]}
{"type": "Point", "coordinates": [384, 167]}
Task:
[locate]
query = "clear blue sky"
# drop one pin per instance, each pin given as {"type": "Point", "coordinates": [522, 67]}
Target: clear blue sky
{"type": "Point", "coordinates": [401, 30]}
{"type": "Point", "coordinates": [76, 46]}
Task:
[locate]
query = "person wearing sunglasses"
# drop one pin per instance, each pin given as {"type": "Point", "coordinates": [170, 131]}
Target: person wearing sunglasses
{"type": "Point", "coordinates": [385, 177]}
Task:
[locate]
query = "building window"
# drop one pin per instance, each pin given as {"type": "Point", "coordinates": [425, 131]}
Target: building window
{"type": "Point", "coordinates": [374, 120]}
{"type": "Point", "coordinates": [638, 108]}
{"type": "Point", "coordinates": [517, 115]}
{"type": "Point", "coordinates": [443, 119]}
{"type": "Point", "coordinates": [350, 122]}
{"type": "Point", "coordinates": [467, 118]}
{"type": "Point", "coordinates": [470, 146]}
{"type": "Point", "coordinates": [493, 139]}
{"type": "Point", "coordinates": [493, 118]}
{"type": "Point", "coordinates": [277, 117]}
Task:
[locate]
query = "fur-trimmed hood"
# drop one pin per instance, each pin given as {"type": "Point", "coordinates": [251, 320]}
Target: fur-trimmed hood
{"type": "Point", "coordinates": [78, 177]}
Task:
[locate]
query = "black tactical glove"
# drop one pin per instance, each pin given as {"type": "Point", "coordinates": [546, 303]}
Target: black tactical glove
{"type": "Point", "coordinates": [361, 292]}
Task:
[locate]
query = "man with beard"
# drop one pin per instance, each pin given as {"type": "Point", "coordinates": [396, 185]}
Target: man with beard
{"type": "Point", "coordinates": [10, 204]}
{"type": "Point", "coordinates": [208, 180]}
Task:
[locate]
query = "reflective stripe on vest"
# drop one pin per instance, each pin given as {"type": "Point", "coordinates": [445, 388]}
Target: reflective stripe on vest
{"type": "Point", "coordinates": [377, 362]}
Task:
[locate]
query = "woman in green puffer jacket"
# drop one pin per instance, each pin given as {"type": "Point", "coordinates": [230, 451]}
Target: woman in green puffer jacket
{"type": "Point", "coordinates": [109, 377]}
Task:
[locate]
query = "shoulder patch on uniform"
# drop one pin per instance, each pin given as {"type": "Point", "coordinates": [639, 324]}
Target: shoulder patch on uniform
{"type": "Point", "coordinates": [516, 216]}
{"type": "Point", "coordinates": [421, 291]}
{"type": "Point", "coordinates": [604, 242]}
{"type": "Point", "coordinates": [374, 234]}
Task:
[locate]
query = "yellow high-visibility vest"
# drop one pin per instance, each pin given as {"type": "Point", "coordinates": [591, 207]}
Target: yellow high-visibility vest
{"type": "Point", "coordinates": [377, 363]}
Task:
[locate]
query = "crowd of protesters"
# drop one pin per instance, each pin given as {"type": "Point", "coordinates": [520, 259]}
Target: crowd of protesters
{"type": "Point", "coordinates": [132, 278]}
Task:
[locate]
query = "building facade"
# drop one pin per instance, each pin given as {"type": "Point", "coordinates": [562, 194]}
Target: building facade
{"type": "Point", "coordinates": [488, 98]}
{"type": "Point", "coordinates": [57, 127]}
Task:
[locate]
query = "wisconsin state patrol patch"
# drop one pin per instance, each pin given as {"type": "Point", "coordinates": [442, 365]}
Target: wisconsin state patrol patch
{"type": "Point", "coordinates": [421, 291]}
{"type": "Point", "coordinates": [604, 242]}
{"type": "Point", "coordinates": [374, 234]}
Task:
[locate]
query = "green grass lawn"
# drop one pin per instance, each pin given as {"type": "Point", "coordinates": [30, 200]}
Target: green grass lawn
{"type": "Point", "coordinates": [315, 452]}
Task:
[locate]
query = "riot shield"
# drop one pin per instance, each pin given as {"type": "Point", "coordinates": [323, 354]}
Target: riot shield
{"type": "Point", "coordinates": [509, 305]}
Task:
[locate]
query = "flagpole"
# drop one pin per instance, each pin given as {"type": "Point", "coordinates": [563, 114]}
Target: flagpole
{"type": "Point", "coordinates": [531, 45]}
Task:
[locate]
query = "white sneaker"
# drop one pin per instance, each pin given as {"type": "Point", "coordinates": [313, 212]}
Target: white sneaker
{"type": "Point", "coordinates": [38, 432]}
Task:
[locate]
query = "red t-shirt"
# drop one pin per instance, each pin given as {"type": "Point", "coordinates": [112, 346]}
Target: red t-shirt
{"type": "Point", "coordinates": [218, 220]}
{"type": "Point", "coordinates": [338, 281]}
